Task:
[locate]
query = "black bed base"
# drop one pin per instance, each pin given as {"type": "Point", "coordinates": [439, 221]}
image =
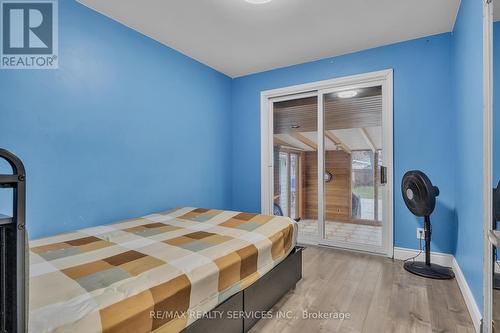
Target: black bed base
{"type": "Point", "coordinates": [13, 288]}
{"type": "Point", "coordinates": [259, 297]}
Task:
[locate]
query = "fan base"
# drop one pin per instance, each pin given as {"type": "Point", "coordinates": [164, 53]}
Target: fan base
{"type": "Point", "coordinates": [431, 271]}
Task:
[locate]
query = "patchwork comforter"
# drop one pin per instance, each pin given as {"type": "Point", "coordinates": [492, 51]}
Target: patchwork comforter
{"type": "Point", "coordinates": [157, 273]}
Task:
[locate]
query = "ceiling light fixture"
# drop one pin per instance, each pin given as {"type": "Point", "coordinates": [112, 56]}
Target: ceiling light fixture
{"type": "Point", "coordinates": [347, 94]}
{"type": "Point", "coordinates": [258, 2]}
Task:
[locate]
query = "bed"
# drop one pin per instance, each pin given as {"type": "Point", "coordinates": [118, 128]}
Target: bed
{"type": "Point", "coordinates": [164, 272]}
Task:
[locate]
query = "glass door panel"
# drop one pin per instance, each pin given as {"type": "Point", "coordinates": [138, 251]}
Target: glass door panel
{"type": "Point", "coordinates": [352, 140]}
{"type": "Point", "coordinates": [295, 132]}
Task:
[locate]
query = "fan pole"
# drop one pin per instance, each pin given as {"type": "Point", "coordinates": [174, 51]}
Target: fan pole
{"type": "Point", "coordinates": [427, 231]}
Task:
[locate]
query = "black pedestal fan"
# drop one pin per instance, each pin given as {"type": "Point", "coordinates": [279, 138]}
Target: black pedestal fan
{"type": "Point", "coordinates": [420, 197]}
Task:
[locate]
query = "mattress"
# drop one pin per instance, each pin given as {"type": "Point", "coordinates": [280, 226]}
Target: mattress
{"type": "Point", "coordinates": [157, 273]}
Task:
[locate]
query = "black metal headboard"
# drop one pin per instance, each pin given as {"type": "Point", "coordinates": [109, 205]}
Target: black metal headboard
{"type": "Point", "coordinates": [13, 302]}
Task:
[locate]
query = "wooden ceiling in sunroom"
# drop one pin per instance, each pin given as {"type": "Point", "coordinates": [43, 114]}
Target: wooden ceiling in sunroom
{"type": "Point", "coordinates": [350, 123]}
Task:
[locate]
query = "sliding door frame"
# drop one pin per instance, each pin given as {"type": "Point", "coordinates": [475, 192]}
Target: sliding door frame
{"type": "Point", "coordinates": [488, 166]}
{"type": "Point", "coordinates": [382, 78]}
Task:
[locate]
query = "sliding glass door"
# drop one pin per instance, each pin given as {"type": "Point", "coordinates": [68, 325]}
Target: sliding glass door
{"type": "Point", "coordinates": [329, 170]}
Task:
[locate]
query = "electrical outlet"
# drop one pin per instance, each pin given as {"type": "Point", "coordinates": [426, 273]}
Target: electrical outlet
{"type": "Point", "coordinates": [420, 233]}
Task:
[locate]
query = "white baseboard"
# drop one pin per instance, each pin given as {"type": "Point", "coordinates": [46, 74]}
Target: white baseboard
{"type": "Point", "coordinates": [442, 259]}
{"type": "Point", "coordinates": [448, 260]}
{"type": "Point", "coordinates": [468, 297]}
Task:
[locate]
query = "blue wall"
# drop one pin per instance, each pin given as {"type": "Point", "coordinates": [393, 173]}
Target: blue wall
{"type": "Point", "coordinates": [496, 103]}
{"type": "Point", "coordinates": [124, 127]}
{"type": "Point", "coordinates": [424, 131]}
{"type": "Point", "coordinates": [467, 51]}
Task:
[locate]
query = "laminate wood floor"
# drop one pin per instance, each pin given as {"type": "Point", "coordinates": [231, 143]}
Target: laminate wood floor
{"type": "Point", "coordinates": [377, 292]}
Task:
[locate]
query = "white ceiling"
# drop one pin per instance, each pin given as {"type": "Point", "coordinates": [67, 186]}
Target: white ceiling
{"type": "Point", "coordinates": [238, 38]}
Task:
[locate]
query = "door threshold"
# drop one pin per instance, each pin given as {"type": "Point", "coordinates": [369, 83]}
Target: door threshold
{"type": "Point", "coordinates": [378, 254]}
{"type": "Point", "coordinates": [342, 248]}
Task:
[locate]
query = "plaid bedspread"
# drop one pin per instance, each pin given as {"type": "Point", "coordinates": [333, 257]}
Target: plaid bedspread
{"type": "Point", "coordinates": [156, 273]}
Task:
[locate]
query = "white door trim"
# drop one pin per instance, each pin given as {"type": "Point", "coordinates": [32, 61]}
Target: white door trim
{"type": "Point", "coordinates": [488, 163]}
{"type": "Point", "coordinates": [383, 78]}
{"type": "Point", "coordinates": [321, 165]}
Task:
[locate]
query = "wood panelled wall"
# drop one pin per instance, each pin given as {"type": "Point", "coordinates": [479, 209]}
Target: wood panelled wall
{"type": "Point", "coordinates": [338, 192]}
